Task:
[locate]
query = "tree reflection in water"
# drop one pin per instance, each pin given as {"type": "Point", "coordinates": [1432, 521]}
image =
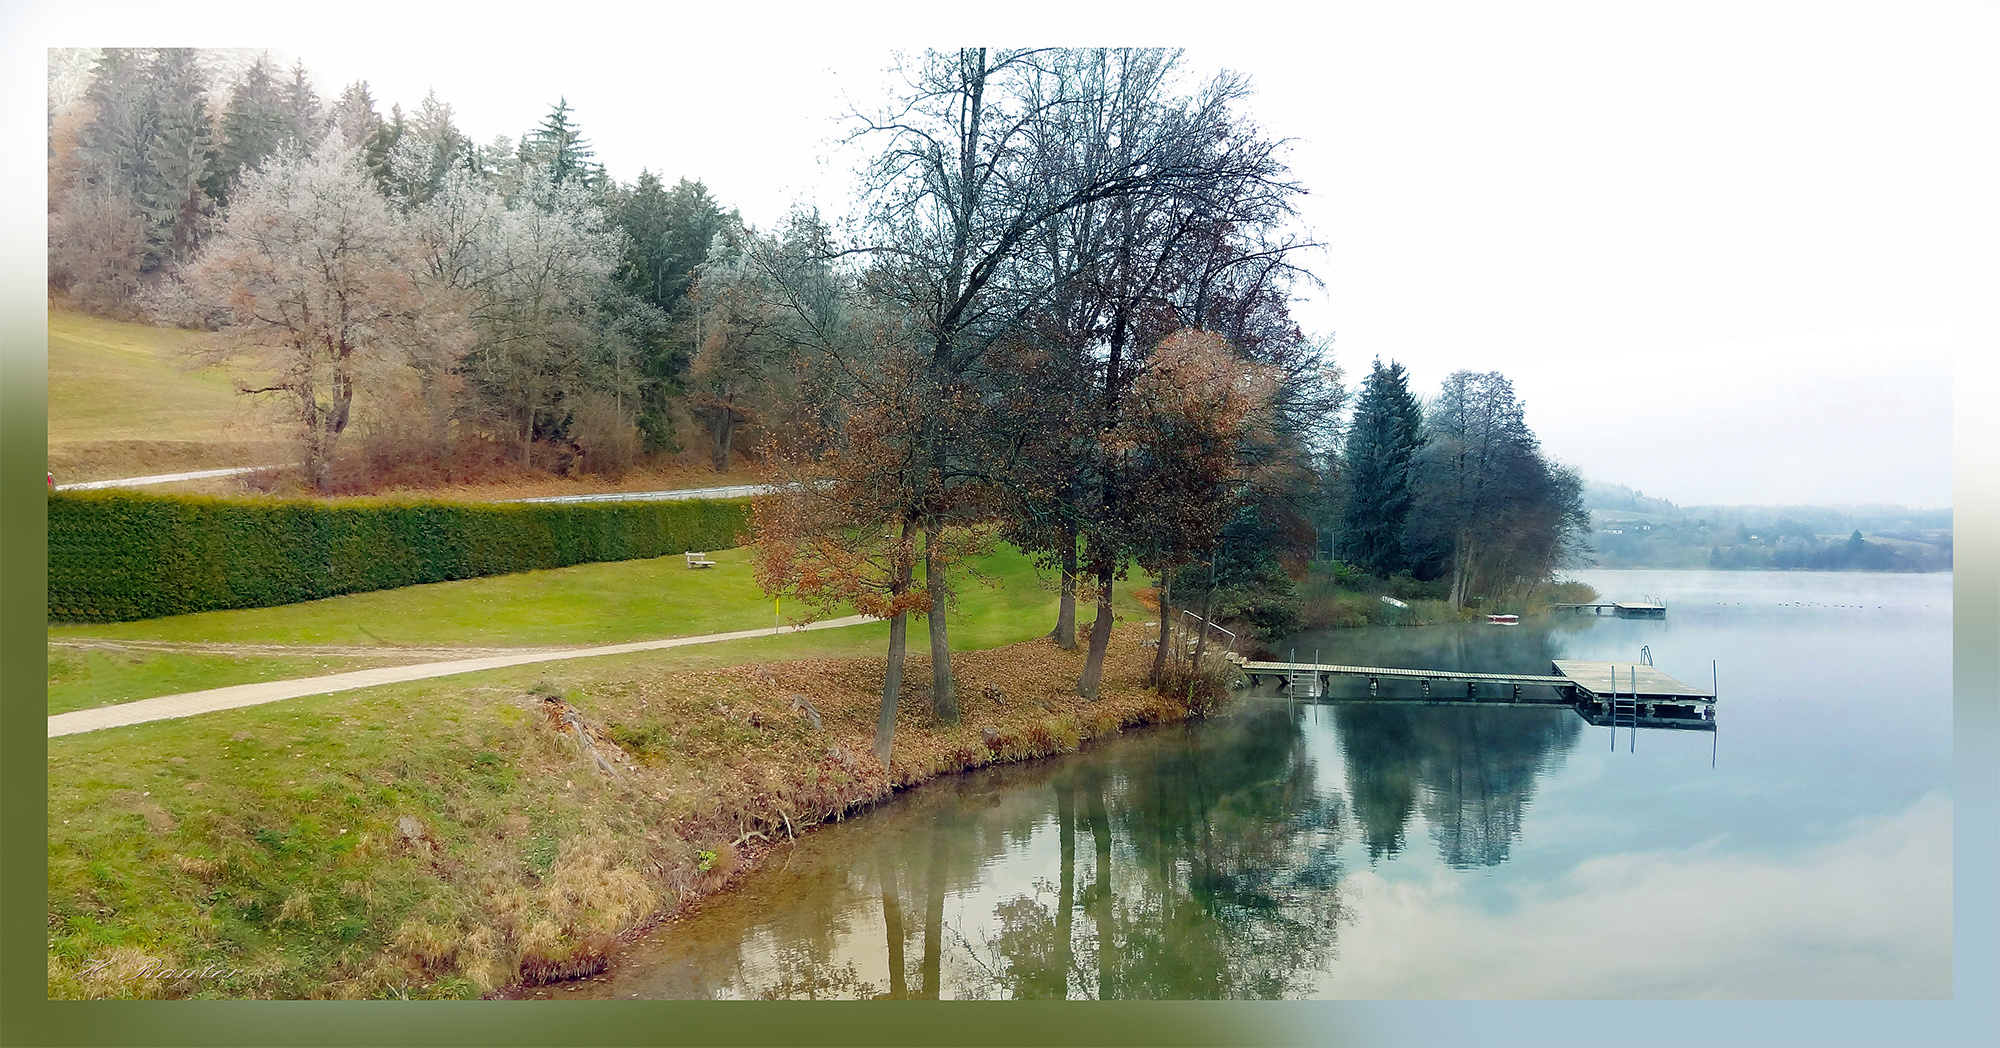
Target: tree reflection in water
{"type": "Point", "coordinates": [1472, 771]}
{"type": "Point", "coordinates": [1214, 873]}
{"type": "Point", "coordinates": [1191, 861]}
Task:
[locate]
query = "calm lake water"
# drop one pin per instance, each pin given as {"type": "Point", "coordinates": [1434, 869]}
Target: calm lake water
{"type": "Point", "coordinates": [1348, 850]}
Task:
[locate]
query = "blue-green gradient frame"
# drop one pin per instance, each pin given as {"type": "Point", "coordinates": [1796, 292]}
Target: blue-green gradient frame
{"type": "Point", "coordinates": [1970, 1018]}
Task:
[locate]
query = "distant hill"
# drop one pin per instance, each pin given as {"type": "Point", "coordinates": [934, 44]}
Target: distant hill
{"type": "Point", "coordinates": [1634, 530]}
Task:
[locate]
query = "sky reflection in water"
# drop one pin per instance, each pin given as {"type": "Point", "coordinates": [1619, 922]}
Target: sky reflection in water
{"type": "Point", "coordinates": [1392, 851]}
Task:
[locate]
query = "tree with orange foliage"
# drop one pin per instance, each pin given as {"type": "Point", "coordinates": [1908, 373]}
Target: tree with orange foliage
{"type": "Point", "coordinates": [855, 490]}
{"type": "Point", "coordinates": [1197, 410]}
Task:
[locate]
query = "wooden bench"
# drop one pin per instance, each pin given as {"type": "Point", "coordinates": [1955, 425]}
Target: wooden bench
{"type": "Point", "coordinates": [699, 560]}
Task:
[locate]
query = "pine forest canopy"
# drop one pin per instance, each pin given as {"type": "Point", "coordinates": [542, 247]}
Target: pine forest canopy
{"type": "Point", "coordinates": [1065, 318]}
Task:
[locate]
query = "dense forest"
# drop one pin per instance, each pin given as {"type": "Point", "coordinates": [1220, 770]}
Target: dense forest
{"type": "Point", "coordinates": [1064, 319]}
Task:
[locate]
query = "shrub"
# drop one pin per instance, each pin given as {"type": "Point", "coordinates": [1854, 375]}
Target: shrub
{"type": "Point", "coordinates": [1201, 689]}
{"type": "Point", "coordinates": [115, 556]}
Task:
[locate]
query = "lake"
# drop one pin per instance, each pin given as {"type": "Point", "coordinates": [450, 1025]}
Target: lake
{"type": "Point", "coordinates": [1355, 850]}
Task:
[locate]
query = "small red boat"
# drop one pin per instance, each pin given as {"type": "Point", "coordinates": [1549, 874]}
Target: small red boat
{"type": "Point", "coordinates": [1504, 620]}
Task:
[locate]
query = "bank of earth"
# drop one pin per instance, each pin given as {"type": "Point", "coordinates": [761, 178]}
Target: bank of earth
{"type": "Point", "coordinates": [440, 839]}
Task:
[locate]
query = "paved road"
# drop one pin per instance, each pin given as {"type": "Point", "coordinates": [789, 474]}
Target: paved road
{"type": "Point", "coordinates": [187, 704]}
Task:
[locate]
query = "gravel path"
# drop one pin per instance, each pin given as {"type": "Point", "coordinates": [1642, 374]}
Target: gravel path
{"type": "Point", "coordinates": [187, 704]}
{"type": "Point", "coordinates": [265, 651]}
{"type": "Point", "coordinates": [162, 478]}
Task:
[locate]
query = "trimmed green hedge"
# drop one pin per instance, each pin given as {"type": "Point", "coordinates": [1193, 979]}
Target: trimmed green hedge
{"type": "Point", "coordinates": [116, 556]}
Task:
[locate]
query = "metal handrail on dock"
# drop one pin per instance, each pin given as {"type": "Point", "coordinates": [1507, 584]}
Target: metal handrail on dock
{"type": "Point", "coordinates": [1232, 636]}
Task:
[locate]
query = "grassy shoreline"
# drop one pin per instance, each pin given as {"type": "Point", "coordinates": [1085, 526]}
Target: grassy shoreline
{"type": "Point", "coordinates": [1340, 598]}
{"type": "Point", "coordinates": [435, 840]}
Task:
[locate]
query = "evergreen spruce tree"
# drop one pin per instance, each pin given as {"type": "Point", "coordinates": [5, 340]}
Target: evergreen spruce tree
{"type": "Point", "coordinates": [1382, 443]}
{"type": "Point", "coordinates": [669, 233]}
{"type": "Point", "coordinates": [561, 150]}
{"type": "Point", "coordinates": [306, 122]}
{"type": "Point", "coordinates": [112, 146]}
{"type": "Point", "coordinates": [354, 115]}
{"type": "Point", "coordinates": [255, 122]}
{"type": "Point", "coordinates": [180, 159]}
{"type": "Point", "coordinates": [380, 144]}
{"type": "Point", "coordinates": [427, 147]}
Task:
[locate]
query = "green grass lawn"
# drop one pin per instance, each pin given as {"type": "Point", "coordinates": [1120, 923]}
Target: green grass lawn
{"type": "Point", "coordinates": [1001, 600]}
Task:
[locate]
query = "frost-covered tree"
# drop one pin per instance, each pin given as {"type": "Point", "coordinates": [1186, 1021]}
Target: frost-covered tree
{"type": "Point", "coordinates": [738, 321]}
{"type": "Point", "coordinates": [548, 258]}
{"type": "Point", "coordinates": [97, 237]}
{"type": "Point", "coordinates": [423, 152]}
{"type": "Point", "coordinates": [354, 115]}
{"type": "Point", "coordinates": [496, 163]}
{"type": "Point", "coordinates": [310, 276]}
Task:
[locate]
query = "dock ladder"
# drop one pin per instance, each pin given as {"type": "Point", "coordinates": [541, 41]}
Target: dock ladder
{"type": "Point", "coordinates": [1302, 683]}
{"type": "Point", "coordinates": [1627, 707]}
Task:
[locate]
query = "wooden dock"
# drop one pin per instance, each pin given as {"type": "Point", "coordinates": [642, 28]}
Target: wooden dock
{"type": "Point", "coordinates": [1621, 693]}
{"type": "Point", "coordinates": [1624, 609]}
{"type": "Point", "coordinates": [1626, 693]}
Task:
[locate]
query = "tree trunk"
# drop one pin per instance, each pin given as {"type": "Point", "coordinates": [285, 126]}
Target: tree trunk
{"type": "Point", "coordinates": [1101, 901]}
{"type": "Point", "coordinates": [943, 702]}
{"type": "Point", "coordinates": [1207, 606]}
{"type": "Point", "coordinates": [721, 434]}
{"type": "Point", "coordinates": [1066, 894]}
{"type": "Point", "coordinates": [892, 916]}
{"type": "Point", "coordinates": [892, 686]}
{"type": "Point", "coordinates": [933, 965]}
{"type": "Point", "coordinates": [1459, 573]}
{"type": "Point", "coordinates": [892, 681]}
{"type": "Point", "coordinates": [1100, 639]}
{"type": "Point", "coordinates": [1159, 673]}
{"type": "Point", "coordinates": [1463, 559]}
{"type": "Point", "coordinates": [1065, 631]}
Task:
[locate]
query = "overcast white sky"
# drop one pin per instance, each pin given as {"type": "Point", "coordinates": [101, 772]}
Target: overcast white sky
{"type": "Point", "coordinates": [1719, 250]}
